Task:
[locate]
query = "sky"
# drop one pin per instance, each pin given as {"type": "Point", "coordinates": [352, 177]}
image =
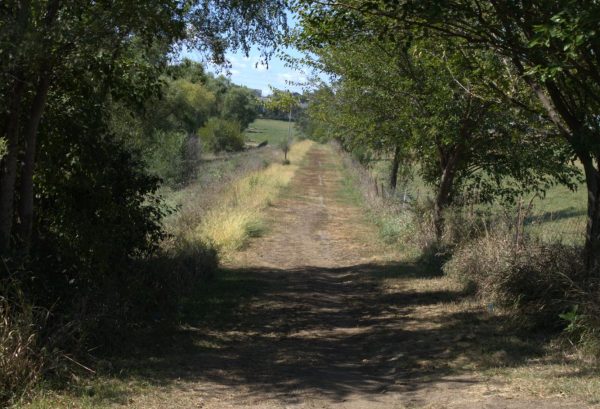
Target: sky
{"type": "Point", "coordinates": [249, 71]}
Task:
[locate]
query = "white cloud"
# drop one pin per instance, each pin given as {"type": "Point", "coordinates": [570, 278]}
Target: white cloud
{"type": "Point", "coordinates": [237, 63]}
{"type": "Point", "coordinates": [259, 65]}
{"type": "Point", "coordinates": [285, 78]}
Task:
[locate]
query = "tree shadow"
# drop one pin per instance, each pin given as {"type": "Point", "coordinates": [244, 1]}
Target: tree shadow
{"type": "Point", "coordinates": [563, 214]}
{"type": "Point", "coordinates": [327, 331]}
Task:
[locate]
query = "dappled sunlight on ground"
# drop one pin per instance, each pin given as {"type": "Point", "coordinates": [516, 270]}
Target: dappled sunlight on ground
{"type": "Point", "coordinates": [319, 314]}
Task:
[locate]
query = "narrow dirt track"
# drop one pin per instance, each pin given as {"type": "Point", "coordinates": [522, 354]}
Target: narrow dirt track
{"type": "Point", "coordinates": [325, 331]}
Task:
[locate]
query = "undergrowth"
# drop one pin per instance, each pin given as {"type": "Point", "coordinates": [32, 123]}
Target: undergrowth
{"type": "Point", "coordinates": [537, 285]}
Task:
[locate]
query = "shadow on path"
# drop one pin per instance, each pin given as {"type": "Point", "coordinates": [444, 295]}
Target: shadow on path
{"type": "Point", "coordinates": [328, 331]}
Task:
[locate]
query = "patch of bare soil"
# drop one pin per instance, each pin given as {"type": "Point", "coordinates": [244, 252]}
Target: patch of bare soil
{"type": "Point", "coordinates": [337, 326]}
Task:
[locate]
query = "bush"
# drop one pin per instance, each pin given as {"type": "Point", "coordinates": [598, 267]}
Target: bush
{"type": "Point", "coordinates": [221, 135]}
{"type": "Point", "coordinates": [536, 282]}
{"type": "Point", "coordinates": [240, 105]}
{"type": "Point", "coordinates": [173, 156]}
{"type": "Point", "coordinates": [153, 291]}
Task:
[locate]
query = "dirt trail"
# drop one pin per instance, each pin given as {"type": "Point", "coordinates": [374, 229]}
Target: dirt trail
{"type": "Point", "coordinates": [334, 326]}
{"type": "Point", "coordinates": [311, 224]}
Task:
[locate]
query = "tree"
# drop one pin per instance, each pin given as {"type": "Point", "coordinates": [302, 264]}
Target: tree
{"type": "Point", "coordinates": [421, 96]}
{"type": "Point", "coordinates": [284, 101]}
{"type": "Point", "coordinates": [41, 41]}
{"type": "Point", "coordinates": [240, 105]}
{"type": "Point", "coordinates": [552, 46]}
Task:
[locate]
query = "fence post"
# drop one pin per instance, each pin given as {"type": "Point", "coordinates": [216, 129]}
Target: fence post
{"type": "Point", "coordinates": [518, 224]}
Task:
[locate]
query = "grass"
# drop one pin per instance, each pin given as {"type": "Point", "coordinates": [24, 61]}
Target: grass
{"type": "Point", "coordinates": [560, 216]}
{"type": "Point", "coordinates": [475, 340]}
{"type": "Point", "coordinates": [238, 217]}
{"type": "Point", "coordinates": [100, 393]}
{"type": "Point", "coordinates": [554, 379]}
{"type": "Point", "coordinates": [395, 227]}
{"type": "Point", "coordinates": [201, 200]}
{"type": "Point", "coordinates": [531, 363]}
{"type": "Point", "coordinates": [270, 130]}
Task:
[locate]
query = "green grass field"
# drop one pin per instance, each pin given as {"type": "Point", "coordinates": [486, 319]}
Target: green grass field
{"type": "Point", "coordinates": [559, 216]}
{"type": "Point", "coordinates": [270, 130]}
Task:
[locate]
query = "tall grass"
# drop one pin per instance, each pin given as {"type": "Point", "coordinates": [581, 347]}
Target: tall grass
{"type": "Point", "coordinates": [23, 358]}
{"type": "Point", "coordinates": [238, 216]}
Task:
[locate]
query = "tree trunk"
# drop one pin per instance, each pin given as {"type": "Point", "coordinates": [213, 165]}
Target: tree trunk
{"type": "Point", "coordinates": [592, 233]}
{"type": "Point", "coordinates": [8, 164]}
{"type": "Point", "coordinates": [26, 183]}
{"type": "Point", "coordinates": [551, 98]}
{"type": "Point", "coordinates": [25, 208]}
{"type": "Point", "coordinates": [394, 169]}
{"type": "Point", "coordinates": [8, 168]}
{"type": "Point", "coordinates": [290, 126]}
{"type": "Point", "coordinates": [444, 195]}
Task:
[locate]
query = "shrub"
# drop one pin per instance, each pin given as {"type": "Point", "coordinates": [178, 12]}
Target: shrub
{"type": "Point", "coordinates": [173, 156]}
{"type": "Point", "coordinates": [536, 282]}
{"type": "Point", "coordinates": [221, 135]}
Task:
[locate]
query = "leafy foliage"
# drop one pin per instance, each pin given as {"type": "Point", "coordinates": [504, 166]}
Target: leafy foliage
{"type": "Point", "coordinates": [221, 135]}
{"type": "Point", "coordinates": [241, 106]}
{"type": "Point", "coordinates": [92, 115]}
{"type": "Point", "coordinates": [549, 46]}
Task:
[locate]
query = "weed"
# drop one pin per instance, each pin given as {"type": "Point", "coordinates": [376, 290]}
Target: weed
{"type": "Point", "coordinates": [22, 357]}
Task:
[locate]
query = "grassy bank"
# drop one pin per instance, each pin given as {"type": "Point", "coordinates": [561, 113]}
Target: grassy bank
{"type": "Point", "coordinates": [558, 216]}
{"type": "Point", "coordinates": [238, 216]}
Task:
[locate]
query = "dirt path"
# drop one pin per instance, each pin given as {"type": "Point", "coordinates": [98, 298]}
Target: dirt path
{"type": "Point", "coordinates": [328, 323]}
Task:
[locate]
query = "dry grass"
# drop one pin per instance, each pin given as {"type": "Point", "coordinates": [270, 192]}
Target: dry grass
{"type": "Point", "coordinates": [238, 216]}
{"type": "Point", "coordinates": [21, 359]}
{"type": "Point", "coordinates": [554, 379]}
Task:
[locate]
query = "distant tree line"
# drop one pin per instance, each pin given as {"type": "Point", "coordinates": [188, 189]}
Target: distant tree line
{"type": "Point", "coordinates": [195, 112]}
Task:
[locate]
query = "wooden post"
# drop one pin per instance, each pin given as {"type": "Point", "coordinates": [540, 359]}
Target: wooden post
{"type": "Point", "coordinates": [519, 223]}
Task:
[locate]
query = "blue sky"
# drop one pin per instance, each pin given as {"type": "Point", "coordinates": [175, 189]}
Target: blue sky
{"type": "Point", "coordinates": [250, 72]}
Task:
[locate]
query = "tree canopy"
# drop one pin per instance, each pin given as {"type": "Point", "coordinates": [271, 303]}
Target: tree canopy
{"type": "Point", "coordinates": [539, 57]}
